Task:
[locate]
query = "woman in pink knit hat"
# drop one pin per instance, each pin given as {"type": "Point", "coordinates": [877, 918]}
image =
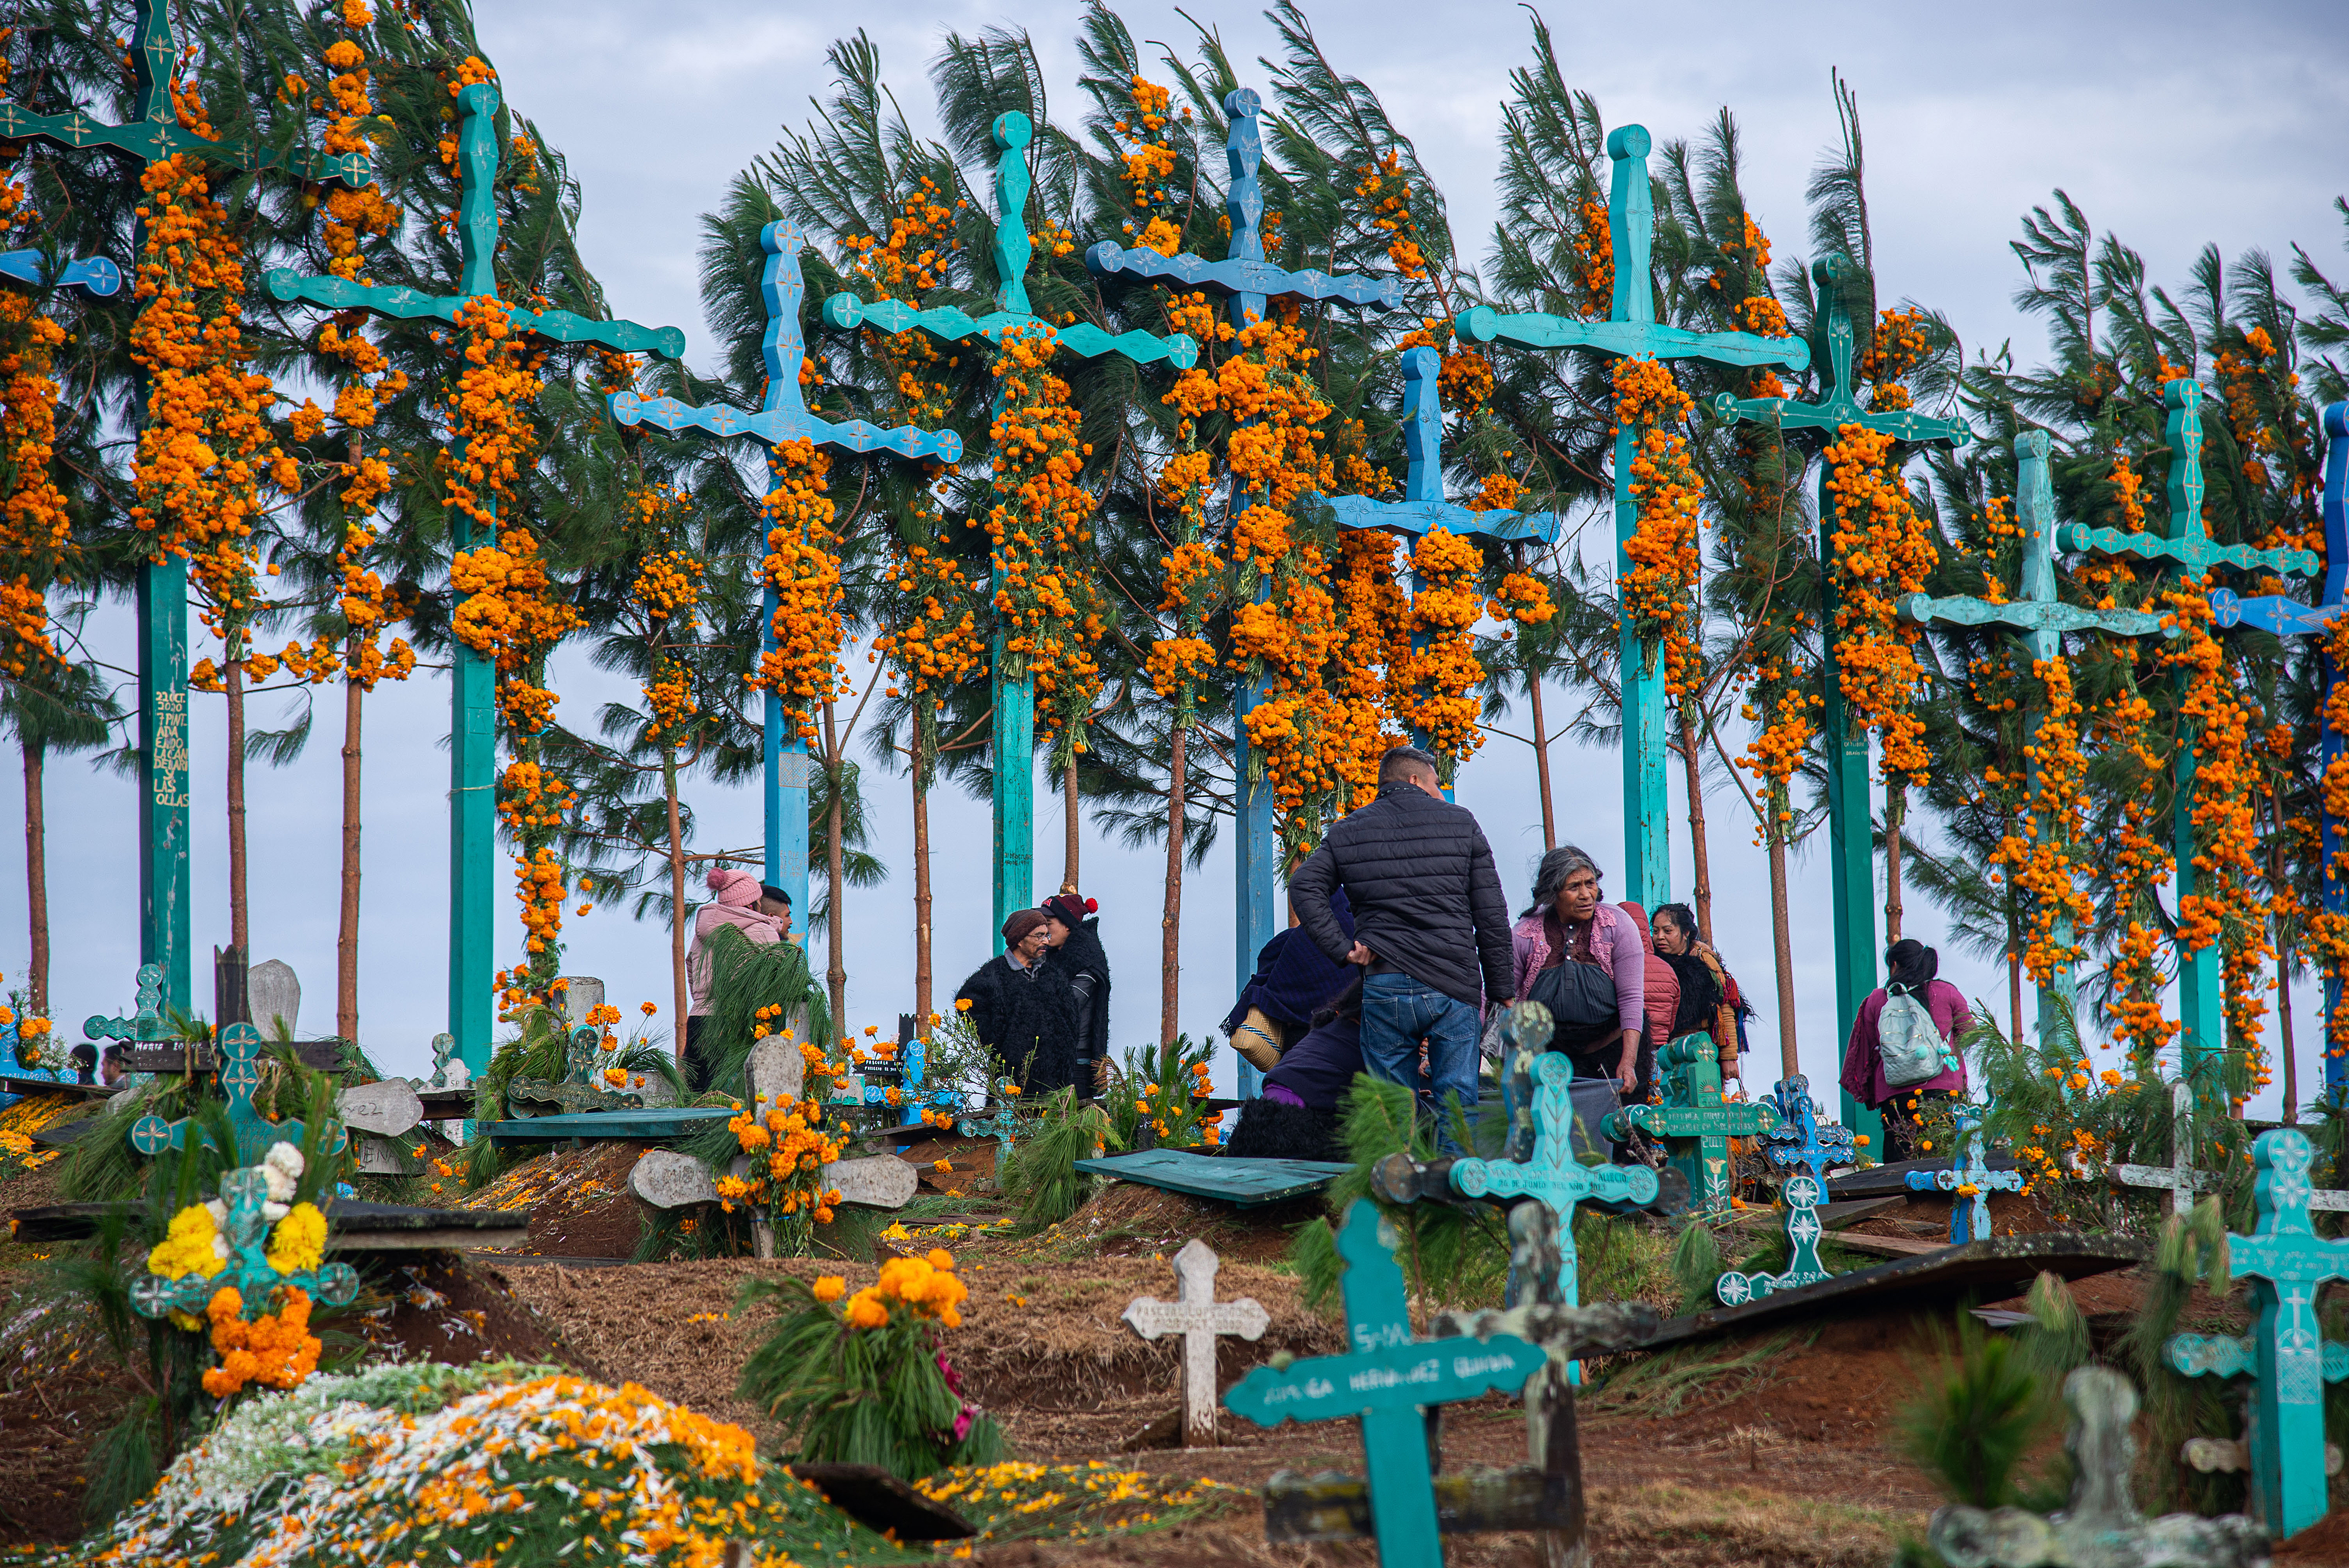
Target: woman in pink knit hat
{"type": "Point", "coordinates": [760, 912]}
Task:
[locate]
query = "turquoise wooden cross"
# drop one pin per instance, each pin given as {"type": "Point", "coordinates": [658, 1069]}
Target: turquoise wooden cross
{"type": "Point", "coordinates": [147, 1025]}
{"type": "Point", "coordinates": [1251, 283]}
{"type": "Point", "coordinates": [1632, 331]}
{"type": "Point", "coordinates": [240, 1075]}
{"type": "Point", "coordinates": [2041, 619]}
{"type": "Point", "coordinates": [1695, 1122]}
{"type": "Point", "coordinates": [473, 747]}
{"type": "Point", "coordinates": [1552, 1174]}
{"type": "Point", "coordinates": [783, 417]}
{"type": "Point", "coordinates": [1800, 1197]}
{"type": "Point", "coordinates": [1388, 1380]}
{"type": "Point", "coordinates": [1968, 1181]}
{"type": "Point", "coordinates": [2290, 618]}
{"type": "Point", "coordinates": [2287, 1264]}
{"type": "Point", "coordinates": [247, 1273]}
{"type": "Point", "coordinates": [94, 278]}
{"type": "Point", "coordinates": [1800, 1144]}
{"type": "Point", "coordinates": [1005, 1127]}
{"type": "Point", "coordinates": [1013, 739]}
{"type": "Point", "coordinates": [1851, 828]}
{"type": "Point", "coordinates": [153, 135]}
{"type": "Point", "coordinates": [2187, 545]}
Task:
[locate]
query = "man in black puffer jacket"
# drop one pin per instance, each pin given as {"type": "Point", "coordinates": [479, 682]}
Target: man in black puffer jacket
{"type": "Point", "coordinates": [1431, 927]}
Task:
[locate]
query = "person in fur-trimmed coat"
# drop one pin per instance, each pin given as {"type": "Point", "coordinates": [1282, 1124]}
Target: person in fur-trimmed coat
{"type": "Point", "coordinates": [1076, 951]}
{"type": "Point", "coordinates": [1022, 1009]}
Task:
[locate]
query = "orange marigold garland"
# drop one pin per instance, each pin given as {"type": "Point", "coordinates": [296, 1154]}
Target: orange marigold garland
{"type": "Point", "coordinates": [2137, 862]}
{"type": "Point", "coordinates": [35, 538]}
{"type": "Point", "coordinates": [1148, 165]}
{"type": "Point", "coordinates": [802, 569]}
{"type": "Point", "coordinates": [1659, 592]}
{"type": "Point", "coordinates": [1882, 550]}
{"type": "Point", "coordinates": [2041, 857]}
{"type": "Point", "coordinates": [1437, 685]}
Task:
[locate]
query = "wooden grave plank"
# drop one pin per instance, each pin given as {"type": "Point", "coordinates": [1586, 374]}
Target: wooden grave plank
{"type": "Point", "coordinates": [1245, 1183]}
{"type": "Point", "coordinates": [649, 1125]}
{"type": "Point", "coordinates": [1892, 1181]}
{"type": "Point", "coordinates": [352, 1226]}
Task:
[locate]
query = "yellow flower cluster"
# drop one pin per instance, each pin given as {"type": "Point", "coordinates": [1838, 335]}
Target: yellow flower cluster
{"type": "Point", "coordinates": [189, 1247]}
{"type": "Point", "coordinates": [298, 1242]}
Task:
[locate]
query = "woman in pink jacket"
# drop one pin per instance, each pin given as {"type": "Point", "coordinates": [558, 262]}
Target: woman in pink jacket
{"type": "Point", "coordinates": [761, 913]}
{"type": "Point", "coordinates": [1567, 923]}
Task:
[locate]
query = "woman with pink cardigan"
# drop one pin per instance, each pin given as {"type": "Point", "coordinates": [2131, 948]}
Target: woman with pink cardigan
{"type": "Point", "coordinates": [761, 913]}
{"type": "Point", "coordinates": [1568, 923]}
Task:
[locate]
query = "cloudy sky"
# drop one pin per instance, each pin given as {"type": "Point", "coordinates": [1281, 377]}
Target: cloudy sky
{"type": "Point", "coordinates": [2168, 126]}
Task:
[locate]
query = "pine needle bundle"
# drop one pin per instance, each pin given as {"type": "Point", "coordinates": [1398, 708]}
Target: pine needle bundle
{"type": "Point", "coordinates": [1983, 1410]}
{"type": "Point", "coordinates": [745, 977]}
{"type": "Point", "coordinates": [1040, 1180]}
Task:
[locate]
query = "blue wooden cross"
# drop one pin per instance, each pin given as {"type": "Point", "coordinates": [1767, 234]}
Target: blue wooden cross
{"type": "Point", "coordinates": [93, 278]}
{"type": "Point", "coordinates": [153, 135]}
{"type": "Point", "coordinates": [1252, 283]}
{"type": "Point", "coordinates": [1801, 1197]}
{"type": "Point", "coordinates": [240, 1075]}
{"type": "Point", "coordinates": [2187, 545]}
{"type": "Point", "coordinates": [1851, 830]}
{"type": "Point", "coordinates": [247, 1271]}
{"type": "Point", "coordinates": [2289, 618]}
{"type": "Point", "coordinates": [1968, 1181]}
{"type": "Point", "coordinates": [1013, 737]}
{"type": "Point", "coordinates": [1695, 1123]}
{"type": "Point", "coordinates": [1632, 331]}
{"type": "Point", "coordinates": [147, 1026]}
{"type": "Point", "coordinates": [783, 417]}
{"type": "Point", "coordinates": [1422, 508]}
{"type": "Point", "coordinates": [473, 750]}
{"type": "Point", "coordinates": [2041, 619]}
{"type": "Point", "coordinates": [1800, 1143]}
{"type": "Point", "coordinates": [1552, 1173]}
{"type": "Point", "coordinates": [1388, 1380]}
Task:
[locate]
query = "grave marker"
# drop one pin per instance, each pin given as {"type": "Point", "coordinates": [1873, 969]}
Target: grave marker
{"type": "Point", "coordinates": [1389, 1380]}
{"type": "Point", "coordinates": [581, 995]}
{"type": "Point", "coordinates": [582, 1089]}
{"type": "Point", "coordinates": [666, 1179]}
{"type": "Point", "coordinates": [2179, 1176]}
{"type": "Point", "coordinates": [2103, 1528]}
{"type": "Point", "coordinates": [240, 1075]}
{"type": "Point", "coordinates": [1801, 1197]}
{"type": "Point", "coordinates": [1800, 1142]}
{"type": "Point", "coordinates": [145, 1026]}
{"type": "Point", "coordinates": [387, 1108]}
{"type": "Point", "coordinates": [1198, 1317]}
{"type": "Point", "coordinates": [1243, 1183]}
{"type": "Point", "coordinates": [1004, 1126]}
{"type": "Point", "coordinates": [1695, 1123]}
{"type": "Point", "coordinates": [248, 1273]}
{"type": "Point", "coordinates": [1968, 1181]}
{"type": "Point", "coordinates": [273, 993]}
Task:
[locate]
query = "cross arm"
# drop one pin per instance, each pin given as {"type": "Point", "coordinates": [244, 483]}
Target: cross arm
{"type": "Point", "coordinates": [1630, 339]}
{"type": "Point", "coordinates": [1902, 424]}
{"type": "Point", "coordinates": [2030, 615]}
{"type": "Point", "coordinates": [152, 142]}
{"type": "Point", "coordinates": [95, 277]}
{"type": "Point", "coordinates": [1608, 1325]}
{"type": "Point", "coordinates": [775, 426]}
{"type": "Point", "coordinates": [2271, 613]}
{"type": "Point", "coordinates": [1243, 276]}
{"type": "Point", "coordinates": [2195, 554]}
{"type": "Point", "coordinates": [952, 324]}
{"type": "Point", "coordinates": [1417, 517]}
{"type": "Point", "coordinates": [411, 305]}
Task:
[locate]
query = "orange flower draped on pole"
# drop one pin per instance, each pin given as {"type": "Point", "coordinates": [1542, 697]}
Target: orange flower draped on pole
{"type": "Point", "coordinates": [803, 567]}
{"type": "Point", "coordinates": [1658, 594]}
{"type": "Point", "coordinates": [34, 533]}
{"type": "Point", "coordinates": [1374, 628]}
{"type": "Point", "coordinates": [1045, 600]}
{"type": "Point", "coordinates": [2137, 861]}
{"type": "Point", "coordinates": [1883, 550]}
{"type": "Point", "coordinates": [2039, 858]}
{"type": "Point", "coordinates": [1436, 687]}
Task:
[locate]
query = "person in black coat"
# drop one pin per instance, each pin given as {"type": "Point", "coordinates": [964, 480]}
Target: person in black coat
{"type": "Point", "coordinates": [1431, 927]}
{"type": "Point", "coordinates": [1076, 952]}
{"type": "Point", "coordinates": [1022, 1009]}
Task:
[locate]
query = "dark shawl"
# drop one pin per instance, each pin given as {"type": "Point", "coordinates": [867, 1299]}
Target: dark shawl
{"type": "Point", "coordinates": [1082, 954]}
{"type": "Point", "coordinates": [1029, 1021]}
{"type": "Point", "coordinates": [1294, 979]}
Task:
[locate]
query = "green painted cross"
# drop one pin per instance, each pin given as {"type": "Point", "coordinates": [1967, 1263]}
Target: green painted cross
{"type": "Point", "coordinates": [153, 135]}
{"type": "Point", "coordinates": [1968, 1181]}
{"type": "Point", "coordinates": [1004, 1126]}
{"type": "Point", "coordinates": [1851, 827]}
{"type": "Point", "coordinates": [147, 1026]}
{"type": "Point", "coordinates": [1632, 331]}
{"type": "Point", "coordinates": [2187, 545]}
{"type": "Point", "coordinates": [240, 1075]}
{"type": "Point", "coordinates": [2041, 619]}
{"type": "Point", "coordinates": [1695, 1122]}
{"type": "Point", "coordinates": [248, 1273]}
{"type": "Point", "coordinates": [1013, 740]}
{"type": "Point", "coordinates": [1800, 1197]}
{"type": "Point", "coordinates": [1388, 1380]}
{"type": "Point", "coordinates": [472, 746]}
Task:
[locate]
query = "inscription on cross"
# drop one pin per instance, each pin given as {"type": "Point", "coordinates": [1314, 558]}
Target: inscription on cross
{"type": "Point", "coordinates": [1198, 1317]}
{"type": "Point", "coordinates": [1632, 331]}
{"type": "Point", "coordinates": [1695, 1122]}
{"type": "Point", "coordinates": [240, 1075]}
{"type": "Point", "coordinates": [1388, 1381]}
{"type": "Point", "coordinates": [1968, 1181]}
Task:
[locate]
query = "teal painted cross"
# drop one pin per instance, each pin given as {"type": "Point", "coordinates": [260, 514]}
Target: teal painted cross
{"type": "Point", "coordinates": [1005, 1127]}
{"type": "Point", "coordinates": [1013, 737]}
{"type": "Point", "coordinates": [1968, 1181]}
{"type": "Point", "coordinates": [1799, 1142]}
{"type": "Point", "coordinates": [93, 278]}
{"type": "Point", "coordinates": [1551, 1173]}
{"type": "Point", "coordinates": [2287, 1264]}
{"type": "Point", "coordinates": [147, 1025]}
{"type": "Point", "coordinates": [240, 1075]}
{"type": "Point", "coordinates": [783, 417]}
{"type": "Point", "coordinates": [472, 748]}
{"type": "Point", "coordinates": [1801, 1198]}
{"type": "Point", "coordinates": [1251, 283]}
{"type": "Point", "coordinates": [247, 1273]}
{"type": "Point", "coordinates": [1632, 331]}
{"type": "Point", "coordinates": [2187, 545]}
{"type": "Point", "coordinates": [1851, 828]}
{"type": "Point", "coordinates": [153, 135]}
{"type": "Point", "coordinates": [1388, 1380]}
{"type": "Point", "coordinates": [1695, 1122]}
{"type": "Point", "coordinates": [2289, 618]}
{"type": "Point", "coordinates": [2041, 619]}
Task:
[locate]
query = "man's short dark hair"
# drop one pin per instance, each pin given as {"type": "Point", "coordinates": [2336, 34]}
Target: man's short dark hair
{"type": "Point", "coordinates": [1406, 761]}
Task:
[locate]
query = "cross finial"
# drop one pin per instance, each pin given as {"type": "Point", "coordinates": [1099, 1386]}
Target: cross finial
{"type": "Point", "coordinates": [1840, 403]}
{"type": "Point", "coordinates": [1011, 133]}
{"type": "Point", "coordinates": [1630, 224]}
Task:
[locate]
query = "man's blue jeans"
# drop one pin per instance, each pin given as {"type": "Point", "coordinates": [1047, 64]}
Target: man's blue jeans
{"type": "Point", "coordinates": [1398, 1013]}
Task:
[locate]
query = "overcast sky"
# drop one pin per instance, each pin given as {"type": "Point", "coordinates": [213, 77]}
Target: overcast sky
{"type": "Point", "coordinates": [2172, 125]}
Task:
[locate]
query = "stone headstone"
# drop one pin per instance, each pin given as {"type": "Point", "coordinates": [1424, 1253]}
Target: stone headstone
{"type": "Point", "coordinates": [273, 994]}
{"type": "Point", "coordinates": [372, 1154]}
{"type": "Point", "coordinates": [668, 1179]}
{"type": "Point", "coordinates": [778, 1072]}
{"type": "Point", "coordinates": [1198, 1317]}
{"type": "Point", "coordinates": [876, 1181]}
{"type": "Point", "coordinates": [388, 1108]}
{"type": "Point", "coordinates": [581, 992]}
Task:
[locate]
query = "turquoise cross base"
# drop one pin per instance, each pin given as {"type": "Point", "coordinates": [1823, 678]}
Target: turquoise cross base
{"type": "Point", "coordinates": [1803, 1266]}
{"type": "Point", "coordinates": [248, 1273]}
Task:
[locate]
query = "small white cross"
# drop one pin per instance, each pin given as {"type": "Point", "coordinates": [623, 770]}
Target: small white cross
{"type": "Point", "coordinates": [1198, 1317]}
{"type": "Point", "coordinates": [2182, 1180]}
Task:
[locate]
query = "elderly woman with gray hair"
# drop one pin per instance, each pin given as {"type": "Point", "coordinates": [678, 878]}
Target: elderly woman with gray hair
{"type": "Point", "coordinates": [1569, 923]}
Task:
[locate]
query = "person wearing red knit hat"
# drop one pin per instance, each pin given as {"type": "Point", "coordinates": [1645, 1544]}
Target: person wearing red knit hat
{"type": "Point", "coordinates": [1019, 1005]}
{"type": "Point", "coordinates": [1077, 953]}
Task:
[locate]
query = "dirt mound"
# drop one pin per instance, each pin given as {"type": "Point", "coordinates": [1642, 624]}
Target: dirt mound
{"type": "Point", "coordinates": [577, 1198]}
{"type": "Point", "coordinates": [438, 1306]}
{"type": "Point", "coordinates": [1129, 1219]}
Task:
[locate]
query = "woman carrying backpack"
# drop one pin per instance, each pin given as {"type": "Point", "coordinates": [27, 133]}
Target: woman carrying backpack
{"type": "Point", "coordinates": [1902, 1058]}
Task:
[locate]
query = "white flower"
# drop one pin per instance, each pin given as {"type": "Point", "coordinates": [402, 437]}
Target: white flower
{"type": "Point", "coordinates": [218, 1212]}
{"type": "Point", "coordinates": [274, 1213]}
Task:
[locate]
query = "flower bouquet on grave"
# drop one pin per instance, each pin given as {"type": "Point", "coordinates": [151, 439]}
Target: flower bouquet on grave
{"type": "Point", "coordinates": [1160, 1099]}
{"type": "Point", "coordinates": [32, 1045]}
{"type": "Point", "coordinates": [864, 1379]}
{"type": "Point", "coordinates": [777, 1174]}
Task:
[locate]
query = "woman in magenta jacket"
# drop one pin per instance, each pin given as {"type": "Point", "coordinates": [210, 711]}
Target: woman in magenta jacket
{"type": "Point", "coordinates": [1910, 965]}
{"type": "Point", "coordinates": [1567, 922]}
